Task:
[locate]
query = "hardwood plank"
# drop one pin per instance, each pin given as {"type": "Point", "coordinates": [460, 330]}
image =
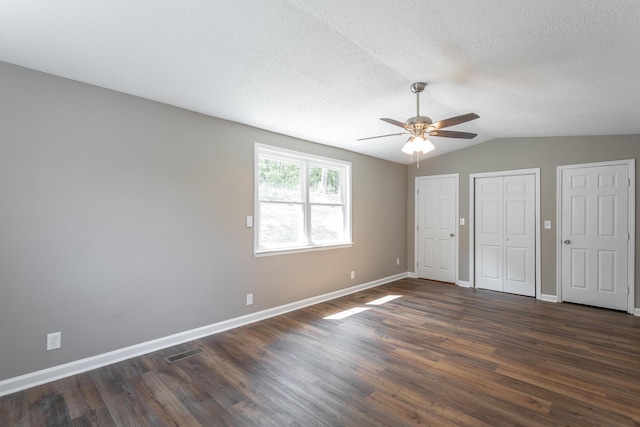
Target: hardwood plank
{"type": "Point", "coordinates": [100, 417]}
{"type": "Point", "coordinates": [83, 400]}
{"type": "Point", "coordinates": [49, 411]}
{"type": "Point", "coordinates": [14, 410]}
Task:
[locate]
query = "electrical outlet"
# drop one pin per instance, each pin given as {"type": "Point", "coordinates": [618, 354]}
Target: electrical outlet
{"type": "Point", "coordinates": [54, 341]}
{"type": "Point", "coordinates": [397, 261]}
{"type": "Point", "coordinates": [249, 299]}
{"type": "Point", "coordinates": [353, 274]}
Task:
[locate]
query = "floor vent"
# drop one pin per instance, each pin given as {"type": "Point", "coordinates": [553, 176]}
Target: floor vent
{"type": "Point", "coordinates": [183, 355]}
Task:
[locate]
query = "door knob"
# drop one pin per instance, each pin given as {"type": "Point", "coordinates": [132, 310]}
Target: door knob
{"type": "Point", "coordinates": [451, 234]}
{"type": "Point", "coordinates": [566, 242]}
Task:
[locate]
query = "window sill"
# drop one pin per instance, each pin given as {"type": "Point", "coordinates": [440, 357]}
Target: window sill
{"type": "Point", "coordinates": [287, 251]}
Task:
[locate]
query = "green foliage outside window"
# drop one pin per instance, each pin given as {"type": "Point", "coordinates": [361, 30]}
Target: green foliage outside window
{"type": "Point", "coordinates": [279, 174]}
{"type": "Point", "coordinates": [280, 180]}
{"type": "Point", "coordinates": [324, 180]}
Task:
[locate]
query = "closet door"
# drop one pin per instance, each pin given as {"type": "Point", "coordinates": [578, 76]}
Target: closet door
{"type": "Point", "coordinates": [505, 234]}
{"type": "Point", "coordinates": [489, 233]}
{"type": "Point", "coordinates": [520, 235]}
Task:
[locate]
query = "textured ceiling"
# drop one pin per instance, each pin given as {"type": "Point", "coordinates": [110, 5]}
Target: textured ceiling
{"type": "Point", "coordinates": [325, 71]}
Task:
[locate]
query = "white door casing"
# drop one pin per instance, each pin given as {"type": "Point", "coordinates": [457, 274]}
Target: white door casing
{"type": "Point", "coordinates": [506, 234]}
{"type": "Point", "coordinates": [596, 216]}
{"type": "Point", "coordinates": [436, 227]}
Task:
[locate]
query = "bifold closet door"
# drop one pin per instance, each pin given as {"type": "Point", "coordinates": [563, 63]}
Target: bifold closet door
{"type": "Point", "coordinates": [489, 233]}
{"type": "Point", "coordinates": [505, 234]}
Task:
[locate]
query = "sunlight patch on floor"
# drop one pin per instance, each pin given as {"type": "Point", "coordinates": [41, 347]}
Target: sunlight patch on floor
{"type": "Point", "coordinates": [350, 312]}
{"type": "Point", "coordinates": [346, 313]}
{"type": "Point", "coordinates": [383, 300]}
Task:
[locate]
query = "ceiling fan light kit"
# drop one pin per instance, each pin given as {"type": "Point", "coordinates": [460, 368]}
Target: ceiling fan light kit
{"type": "Point", "coordinates": [419, 126]}
{"type": "Point", "coordinates": [417, 144]}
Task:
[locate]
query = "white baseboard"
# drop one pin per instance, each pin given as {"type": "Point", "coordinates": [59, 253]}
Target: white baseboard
{"type": "Point", "coordinates": [548, 298]}
{"type": "Point", "coordinates": [636, 312]}
{"type": "Point", "coordinates": [43, 376]}
{"type": "Point", "coordinates": [464, 284]}
{"type": "Point", "coordinates": [412, 274]}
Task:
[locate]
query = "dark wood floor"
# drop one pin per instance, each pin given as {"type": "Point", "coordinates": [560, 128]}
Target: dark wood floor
{"type": "Point", "coordinates": [439, 355]}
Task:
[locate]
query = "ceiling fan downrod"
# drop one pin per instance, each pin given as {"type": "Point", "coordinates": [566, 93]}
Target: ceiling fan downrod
{"type": "Point", "coordinates": [416, 88]}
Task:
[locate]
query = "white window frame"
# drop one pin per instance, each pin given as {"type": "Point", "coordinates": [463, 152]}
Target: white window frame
{"type": "Point", "coordinates": [306, 160]}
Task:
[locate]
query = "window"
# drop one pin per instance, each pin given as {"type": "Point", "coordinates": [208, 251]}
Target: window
{"type": "Point", "coordinates": [302, 202]}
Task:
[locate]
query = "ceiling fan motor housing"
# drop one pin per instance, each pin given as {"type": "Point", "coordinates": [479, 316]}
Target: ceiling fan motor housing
{"type": "Point", "coordinates": [420, 124]}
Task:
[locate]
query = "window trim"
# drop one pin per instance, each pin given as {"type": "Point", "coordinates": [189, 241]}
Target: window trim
{"type": "Point", "coordinates": [309, 160]}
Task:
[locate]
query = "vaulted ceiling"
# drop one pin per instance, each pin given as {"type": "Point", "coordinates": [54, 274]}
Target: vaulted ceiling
{"type": "Point", "coordinates": [326, 71]}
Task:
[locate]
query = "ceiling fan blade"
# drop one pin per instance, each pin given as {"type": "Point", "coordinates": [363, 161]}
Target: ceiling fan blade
{"type": "Point", "coordinates": [382, 136]}
{"type": "Point", "coordinates": [395, 123]}
{"type": "Point", "coordinates": [453, 134]}
{"type": "Point", "coordinates": [454, 121]}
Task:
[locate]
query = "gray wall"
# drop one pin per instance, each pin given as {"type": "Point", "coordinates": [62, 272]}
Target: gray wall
{"type": "Point", "coordinates": [123, 220]}
{"type": "Point", "coordinates": [522, 153]}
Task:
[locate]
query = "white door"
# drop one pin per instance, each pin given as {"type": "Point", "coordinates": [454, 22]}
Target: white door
{"type": "Point", "coordinates": [520, 235]}
{"type": "Point", "coordinates": [505, 234]}
{"type": "Point", "coordinates": [489, 233]}
{"type": "Point", "coordinates": [595, 218]}
{"type": "Point", "coordinates": [436, 249]}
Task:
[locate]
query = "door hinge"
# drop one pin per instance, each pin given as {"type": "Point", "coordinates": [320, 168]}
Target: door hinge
{"type": "Point", "coordinates": [417, 264]}
{"type": "Point", "coordinates": [418, 191]}
{"type": "Point", "coordinates": [417, 227]}
{"type": "Point", "coordinates": [628, 236]}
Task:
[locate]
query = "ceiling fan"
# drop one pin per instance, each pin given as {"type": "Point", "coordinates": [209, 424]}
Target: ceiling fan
{"type": "Point", "coordinates": [420, 126]}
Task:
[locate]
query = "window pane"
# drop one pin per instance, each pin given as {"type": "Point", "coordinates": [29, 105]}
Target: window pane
{"type": "Point", "coordinates": [281, 225]}
{"type": "Point", "coordinates": [279, 180]}
{"type": "Point", "coordinates": [327, 224]}
{"type": "Point", "coordinates": [324, 185]}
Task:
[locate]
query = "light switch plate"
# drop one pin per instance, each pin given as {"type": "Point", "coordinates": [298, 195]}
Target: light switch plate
{"type": "Point", "coordinates": [547, 225]}
{"type": "Point", "coordinates": [461, 221]}
{"type": "Point", "coordinates": [249, 221]}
